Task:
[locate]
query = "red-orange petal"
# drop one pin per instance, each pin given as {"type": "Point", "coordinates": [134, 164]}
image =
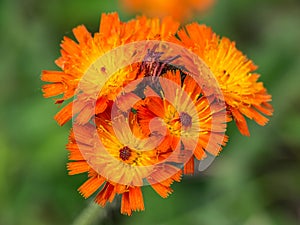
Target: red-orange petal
{"type": "Point", "coordinates": [78, 167]}
{"type": "Point", "coordinates": [125, 204]}
{"type": "Point", "coordinates": [136, 198]}
{"type": "Point", "coordinates": [188, 168]}
{"type": "Point", "coordinates": [91, 185]}
{"type": "Point", "coordinates": [162, 190]}
{"type": "Point", "coordinates": [52, 76]}
{"type": "Point", "coordinates": [81, 34]}
{"type": "Point", "coordinates": [74, 152]}
{"type": "Point", "coordinates": [64, 115]}
{"type": "Point", "coordinates": [53, 89]}
{"type": "Point", "coordinates": [240, 122]}
{"type": "Point", "coordinates": [106, 194]}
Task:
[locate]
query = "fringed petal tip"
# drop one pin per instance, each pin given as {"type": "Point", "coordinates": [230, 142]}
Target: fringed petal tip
{"type": "Point", "coordinates": [78, 167]}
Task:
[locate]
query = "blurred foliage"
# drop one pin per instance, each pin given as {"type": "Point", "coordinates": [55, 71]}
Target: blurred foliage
{"type": "Point", "coordinates": [255, 181]}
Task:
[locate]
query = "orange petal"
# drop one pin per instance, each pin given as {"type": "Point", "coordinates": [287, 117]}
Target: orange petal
{"type": "Point", "coordinates": [101, 105]}
{"type": "Point", "coordinates": [136, 198]}
{"type": "Point", "coordinates": [74, 152]}
{"type": "Point", "coordinates": [189, 167]}
{"type": "Point", "coordinates": [91, 185]}
{"type": "Point", "coordinates": [78, 167]}
{"type": "Point", "coordinates": [125, 204]}
{"type": "Point", "coordinates": [52, 76]}
{"type": "Point", "coordinates": [265, 108]}
{"type": "Point", "coordinates": [162, 190]}
{"type": "Point", "coordinates": [109, 24]}
{"type": "Point", "coordinates": [81, 34]}
{"type": "Point", "coordinates": [69, 47]}
{"type": "Point", "coordinates": [106, 194]}
{"type": "Point", "coordinates": [191, 87]}
{"type": "Point", "coordinates": [64, 115]}
{"type": "Point", "coordinates": [240, 122]}
{"type": "Point", "coordinates": [85, 114]}
{"type": "Point", "coordinates": [126, 101]}
{"type": "Point", "coordinates": [163, 187]}
{"type": "Point", "coordinates": [54, 89]}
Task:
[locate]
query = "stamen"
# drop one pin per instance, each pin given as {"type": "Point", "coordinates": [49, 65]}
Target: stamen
{"type": "Point", "coordinates": [153, 64]}
{"type": "Point", "coordinates": [185, 119]}
{"type": "Point", "coordinates": [125, 153]}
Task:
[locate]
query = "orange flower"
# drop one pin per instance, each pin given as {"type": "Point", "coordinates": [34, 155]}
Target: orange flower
{"type": "Point", "coordinates": [243, 94]}
{"type": "Point", "coordinates": [77, 58]}
{"type": "Point", "coordinates": [193, 123]}
{"type": "Point", "coordinates": [179, 9]}
{"type": "Point", "coordinates": [119, 163]}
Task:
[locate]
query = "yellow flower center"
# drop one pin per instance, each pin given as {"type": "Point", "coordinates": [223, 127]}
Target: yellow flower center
{"type": "Point", "coordinates": [172, 121]}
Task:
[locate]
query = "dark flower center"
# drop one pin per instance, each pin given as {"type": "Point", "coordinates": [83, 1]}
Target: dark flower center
{"type": "Point", "coordinates": [125, 153]}
{"type": "Point", "coordinates": [185, 119]}
{"type": "Point", "coordinates": [153, 64]}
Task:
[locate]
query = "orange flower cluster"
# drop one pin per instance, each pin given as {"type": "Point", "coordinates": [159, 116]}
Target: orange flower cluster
{"type": "Point", "coordinates": [179, 9]}
{"type": "Point", "coordinates": [152, 120]}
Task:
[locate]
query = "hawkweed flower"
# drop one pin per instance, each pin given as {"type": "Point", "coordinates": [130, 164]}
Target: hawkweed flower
{"type": "Point", "coordinates": [244, 95]}
{"type": "Point", "coordinates": [120, 162]}
{"type": "Point", "coordinates": [187, 115]}
{"type": "Point", "coordinates": [77, 57]}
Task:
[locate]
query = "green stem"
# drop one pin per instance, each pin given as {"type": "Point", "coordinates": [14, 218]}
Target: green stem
{"type": "Point", "coordinates": [90, 215]}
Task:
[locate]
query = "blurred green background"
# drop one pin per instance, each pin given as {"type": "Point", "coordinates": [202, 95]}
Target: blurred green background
{"type": "Point", "coordinates": [255, 181]}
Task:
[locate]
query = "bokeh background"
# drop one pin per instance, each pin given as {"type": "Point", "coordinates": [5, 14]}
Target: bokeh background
{"type": "Point", "coordinates": [255, 180]}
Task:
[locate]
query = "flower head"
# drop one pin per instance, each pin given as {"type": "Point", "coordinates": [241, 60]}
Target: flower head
{"type": "Point", "coordinates": [192, 121]}
{"type": "Point", "coordinates": [119, 161]}
{"type": "Point", "coordinates": [77, 57]}
{"type": "Point", "coordinates": [243, 94]}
